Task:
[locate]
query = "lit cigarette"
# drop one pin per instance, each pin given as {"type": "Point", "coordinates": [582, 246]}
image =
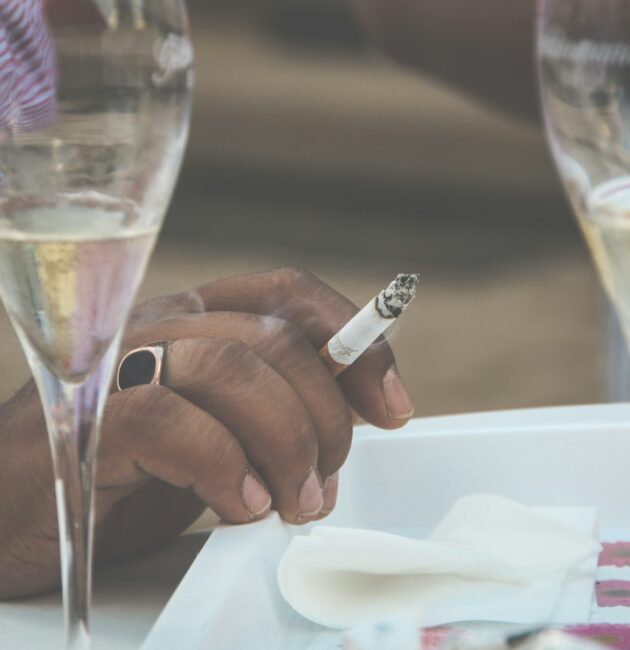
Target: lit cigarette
{"type": "Point", "coordinates": [358, 334]}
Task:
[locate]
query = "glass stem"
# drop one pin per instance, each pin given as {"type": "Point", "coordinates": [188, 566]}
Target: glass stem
{"type": "Point", "coordinates": [73, 416]}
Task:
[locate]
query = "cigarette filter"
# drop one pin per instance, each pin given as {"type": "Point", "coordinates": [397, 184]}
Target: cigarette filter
{"type": "Point", "coordinates": [361, 332]}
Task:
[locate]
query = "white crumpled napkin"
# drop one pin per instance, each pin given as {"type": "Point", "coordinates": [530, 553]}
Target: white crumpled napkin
{"type": "Point", "coordinates": [489, 559]}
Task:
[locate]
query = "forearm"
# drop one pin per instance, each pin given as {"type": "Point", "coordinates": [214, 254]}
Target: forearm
{"type": "Point", "coordinates": [484, 47]}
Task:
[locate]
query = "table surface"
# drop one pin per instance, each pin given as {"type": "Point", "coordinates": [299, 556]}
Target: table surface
{"type": "Point", "coordinates": [127, 601]}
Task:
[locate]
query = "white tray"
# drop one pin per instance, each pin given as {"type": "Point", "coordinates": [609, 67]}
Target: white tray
{"type": "Point", "coordinates": [405, 482]}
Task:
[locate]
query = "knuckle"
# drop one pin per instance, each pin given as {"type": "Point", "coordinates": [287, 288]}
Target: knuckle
{"type": "Point", "coordinates": [208, 357]}
{"type": "Point", "coordinates": [151, 310]}
{"type": "Point", "coordinates": [290, 278]}
{"type": "Point", "coordinates": [227, 353]}
{"type": "Point", "coordinates": [232, 363]}
{"type": "Point", "coordinates": [140, 334]}
{"type": "Point", "coordinates": [277, 335]}
{"type": "Point", "coordinates": [190, 301]}
{"type": "Point", "coordinates": [187, 357]}
{"type": "Point", "coordinates": [283, 342]}
{"type": "Point", "coordinates": [163, 308]}
{"type": "Point", "coordinates": [269, 327]}
{"type": "Point", "coordinates": [289, 333]}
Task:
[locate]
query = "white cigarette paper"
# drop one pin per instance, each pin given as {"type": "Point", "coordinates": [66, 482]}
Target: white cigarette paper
{"type": "Point", "coordinates": [356, 336]}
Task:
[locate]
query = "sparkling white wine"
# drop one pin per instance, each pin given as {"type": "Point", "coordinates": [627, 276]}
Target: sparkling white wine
{"type": "Point", "coordinates": [68, 274]}
{"type": "Point", "coordinates": [605, 220]}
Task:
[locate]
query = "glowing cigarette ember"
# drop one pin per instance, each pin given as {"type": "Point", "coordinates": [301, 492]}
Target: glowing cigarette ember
{"type": "Point", "coordinates": [358, 334]}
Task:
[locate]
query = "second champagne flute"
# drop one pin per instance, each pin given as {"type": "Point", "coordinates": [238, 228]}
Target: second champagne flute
{"type": "Point", "coordinates": [584, 64]}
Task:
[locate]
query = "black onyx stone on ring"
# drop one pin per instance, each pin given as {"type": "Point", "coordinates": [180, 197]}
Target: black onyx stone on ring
{"type": "Point", "coordinates": [141, 366]}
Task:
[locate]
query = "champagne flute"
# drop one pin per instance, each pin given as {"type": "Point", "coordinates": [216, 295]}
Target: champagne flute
{"type": "Point", "coordinates": [94, 112]}
{"type": "Point", "coordinates": [583, 52]}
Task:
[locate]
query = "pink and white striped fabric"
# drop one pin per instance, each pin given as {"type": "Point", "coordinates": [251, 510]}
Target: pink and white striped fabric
{"type": "Point", "coordinates": [28, 96]}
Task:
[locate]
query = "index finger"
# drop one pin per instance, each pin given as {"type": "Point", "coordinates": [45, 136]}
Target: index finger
{"type": "Point", "coordinates": [372, 385]}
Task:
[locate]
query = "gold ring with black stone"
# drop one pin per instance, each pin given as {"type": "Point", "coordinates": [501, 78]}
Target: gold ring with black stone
{"type": "Point", "coordinates": [142, 366]}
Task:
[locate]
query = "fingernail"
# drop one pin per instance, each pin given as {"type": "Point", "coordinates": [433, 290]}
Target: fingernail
{"type": "Point", "coordinates": [256, 498]}
{"type": "Point", "coordinates": [397, 398]}
{"type": "Point", "coordinates": [330, 493]}
{"type": "Point", "coordinates": [311, 496]}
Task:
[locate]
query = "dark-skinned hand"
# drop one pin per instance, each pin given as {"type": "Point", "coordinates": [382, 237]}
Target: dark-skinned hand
{"type": "Point", "coordinates": [247, 418]}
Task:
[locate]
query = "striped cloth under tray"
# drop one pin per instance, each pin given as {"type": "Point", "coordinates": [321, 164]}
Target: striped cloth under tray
{"type": "Point", "coordinates": [610, 616]}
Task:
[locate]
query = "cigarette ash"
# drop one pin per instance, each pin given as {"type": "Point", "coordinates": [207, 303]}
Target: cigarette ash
{"type": "Point", "coordinates": [391, 302]}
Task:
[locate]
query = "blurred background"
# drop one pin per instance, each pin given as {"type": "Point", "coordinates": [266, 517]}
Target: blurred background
{"type": "Point", "coordinates": [308, 148]}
